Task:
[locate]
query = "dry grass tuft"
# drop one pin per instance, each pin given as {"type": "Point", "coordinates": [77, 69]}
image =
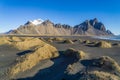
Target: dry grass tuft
{"type": "Point", "coordinates": [58, 39]}
{"type": "Point", "coordinates": [43, 39]}
{"type": "Point", "coordinates": [86, 41]}
{"type": "Point", "coordinates": [80, 40]}
{"type": "Point", "coordinates": [41, 51]}
{"type": "Point", "coordinates": [5, 40]}
{"type": "Point", "coordinates": [11, 40]}
{"type": "Point", "coordinates": [108, 63]}
{"type": "Point", "coordinates": [103, 44]}
{"type": "Point", "coordinates": [15, 39]}
{"type": "Point", "coordinates": [69, 68]}
{"type": "Point", "coordinates": [74, 53]}
{"type": "Point", "coordinates": [68, 41]}
{"type": "Point", "coordinates": [28, 61]}
{"type": "Point", "coordinates": [80, 54]}
{"type": "Point", "coordinates": [110, 70]}
{"type": "Point", "coordinates": [99, 75]}
{"type": "Point", "coordinates": [49, 39]}
{"type": "Point", "coordinates": [28, 43]}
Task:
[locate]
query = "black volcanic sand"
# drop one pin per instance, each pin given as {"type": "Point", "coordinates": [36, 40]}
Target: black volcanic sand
{"type": "Point", "coordinates": [54, 69]}
{"type": "Point", "coordinates": [7, 57]}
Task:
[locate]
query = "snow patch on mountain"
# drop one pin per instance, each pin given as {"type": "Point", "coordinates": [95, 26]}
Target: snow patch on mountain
{"type": "Point", "coordinates": [37, 21]}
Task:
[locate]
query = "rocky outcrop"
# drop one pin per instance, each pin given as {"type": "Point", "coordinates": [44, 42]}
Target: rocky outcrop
{"type": "Point", "coordinates": [92, 27]}
{"type": "Point", "coordinates": [88, 28]}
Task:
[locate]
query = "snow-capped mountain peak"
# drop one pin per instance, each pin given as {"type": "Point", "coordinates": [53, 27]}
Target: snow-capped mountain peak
{"type": "Point", "coordinates": [37, 21]}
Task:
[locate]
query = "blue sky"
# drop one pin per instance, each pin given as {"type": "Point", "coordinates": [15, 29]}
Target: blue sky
{"type": "Point", "coordinates": [16, 12]}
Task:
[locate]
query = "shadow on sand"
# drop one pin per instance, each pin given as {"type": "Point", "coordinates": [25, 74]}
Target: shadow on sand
{"type": "Point", "coordinates": [55, 72]}
{"type": "Point", "coordinates": [24, 52]}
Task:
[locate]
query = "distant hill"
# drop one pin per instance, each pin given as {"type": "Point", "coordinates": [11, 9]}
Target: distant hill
{"type": "Point", "coordinates": [88, 28]}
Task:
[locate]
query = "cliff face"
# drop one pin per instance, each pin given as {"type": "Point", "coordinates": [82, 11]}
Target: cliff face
{"type": "Point", "coordinates": [91, 28]}
{"type": "Point", "coordinates": [88, 28]}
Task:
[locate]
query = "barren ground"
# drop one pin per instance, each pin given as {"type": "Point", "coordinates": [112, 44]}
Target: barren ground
{"type": "Point", "coordinates": [54, 69]}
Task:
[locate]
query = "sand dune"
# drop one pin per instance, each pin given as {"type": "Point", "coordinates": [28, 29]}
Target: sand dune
{"type": "Point", "coordinates": [34, 58]}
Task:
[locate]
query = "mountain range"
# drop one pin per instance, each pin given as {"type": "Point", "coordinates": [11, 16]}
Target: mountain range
{"type": "Point", "coordinates": [88, 28]}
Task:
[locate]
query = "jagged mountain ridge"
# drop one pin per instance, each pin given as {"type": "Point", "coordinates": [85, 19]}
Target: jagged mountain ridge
{"type": "Point", "coordinates": [88, 28]}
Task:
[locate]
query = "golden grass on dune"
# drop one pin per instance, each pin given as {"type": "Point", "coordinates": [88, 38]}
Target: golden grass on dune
{"type": "Point", "coordinates": [100, 75]}
{"type": "Point", "coordinates": [80, 54]}
{"type": "Point", "coordinates": [28, 61]}
{"type": "Point", "coordinates": [86, 41]}
{"type": "Point", "coordinates": [68, 41]}
{"type": "Point", "coordinates": [110, 70]}
{"type": "Point", "coordinates": [70, 52]}
{"type": "Point", "coordinates": [50, 40]}
{"type": "Point", "coordinates": [43, 39]}
{"type": "Point", "coordinates": [103, 44]}
{"type": "Point", "coordinates": [5, 40]}
{"type": "Point", "coordinates": [69, 68]}
{"type": "Point", "coordinates": [16, 39]}
{"type": "Point", "coordinates": [12, 39]}
{"type": "Point", "coordinates": [41, 51]}
{"type": "Point", "coordinates": [108, 63]}
{"type": "Point", "coordinates": [28, 43]}
{"type": "Point", "coordinates": [74, 53]}
{"type": "Point", "coordinates": [58, 39]}
{"type": "Point", "coordinates": [80, 40]}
